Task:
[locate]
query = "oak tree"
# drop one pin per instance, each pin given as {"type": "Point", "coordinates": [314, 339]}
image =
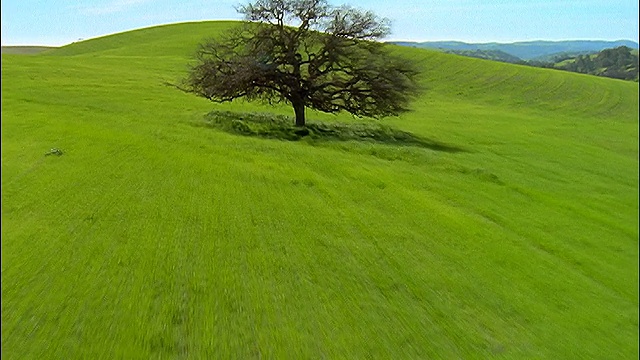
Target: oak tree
{"type": "Point", "coordinates": [309, 54]}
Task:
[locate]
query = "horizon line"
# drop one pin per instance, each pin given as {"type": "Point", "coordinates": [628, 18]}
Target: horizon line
{"type": "Point", "coordinates": [65, 42]}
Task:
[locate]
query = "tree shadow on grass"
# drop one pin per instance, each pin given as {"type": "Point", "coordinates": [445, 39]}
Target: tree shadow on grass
{"type": "Point", "coordinates": [265, 125]}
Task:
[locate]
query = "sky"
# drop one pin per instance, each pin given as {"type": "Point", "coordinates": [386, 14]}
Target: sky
{"type": "Point", "coordinates": [60, 22]}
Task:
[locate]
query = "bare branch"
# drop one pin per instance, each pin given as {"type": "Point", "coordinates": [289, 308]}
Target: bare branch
{"type": "Point", "coordinates": [309, 54]}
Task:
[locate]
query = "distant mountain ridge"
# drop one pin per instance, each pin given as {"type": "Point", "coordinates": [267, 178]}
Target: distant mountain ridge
{"type": "Point", "coordinates": [525, 50]}
{"type": "Point", "coordinates": [495, 55]}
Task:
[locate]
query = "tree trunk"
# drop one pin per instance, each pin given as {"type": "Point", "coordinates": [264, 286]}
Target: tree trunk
{"type": "Point", "coordinates": [298, 108]}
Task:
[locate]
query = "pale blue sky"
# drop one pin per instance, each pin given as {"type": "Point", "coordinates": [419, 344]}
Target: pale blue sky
{"type": "Point", "coordinates": [59, 22]}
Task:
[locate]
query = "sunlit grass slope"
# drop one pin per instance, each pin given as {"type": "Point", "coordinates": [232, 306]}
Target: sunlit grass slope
{"type": "Point", "coordinates": [153, 237]}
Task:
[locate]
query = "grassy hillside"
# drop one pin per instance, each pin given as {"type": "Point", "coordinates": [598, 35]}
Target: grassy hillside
{"type": "Point", "coordinates": [25, 50]}
{"type": "Point", "coordinates": [153, 236]}
{"type": "Point", "coordinates": [176, 40]}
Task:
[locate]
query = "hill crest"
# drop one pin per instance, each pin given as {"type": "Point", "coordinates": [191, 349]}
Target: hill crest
{"type": "Point", "coordinates": [525, 50]}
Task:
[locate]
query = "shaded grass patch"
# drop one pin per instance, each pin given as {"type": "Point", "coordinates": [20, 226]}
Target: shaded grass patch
{"type": "Point", "coordinates": [271, 126]}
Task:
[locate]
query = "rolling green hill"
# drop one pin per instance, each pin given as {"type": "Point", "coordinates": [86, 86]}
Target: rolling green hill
{"type": "Point", "coordinates": [25, 50]}
{"type": "Point", "coordinates": [154, 236]}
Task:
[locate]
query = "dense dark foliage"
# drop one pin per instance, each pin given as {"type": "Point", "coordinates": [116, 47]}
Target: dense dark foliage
{"type": "Point", "coordinates": [619, 63]}
{"type": "Point", "coordinates": [308, 54]}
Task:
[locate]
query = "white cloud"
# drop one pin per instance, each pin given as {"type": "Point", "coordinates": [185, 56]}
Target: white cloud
{"type": "Point", "coordinates": [111, 7]}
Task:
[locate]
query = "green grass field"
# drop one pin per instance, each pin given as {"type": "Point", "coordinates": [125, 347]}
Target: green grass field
{"type": "Point", "coordinates": [154, 236]}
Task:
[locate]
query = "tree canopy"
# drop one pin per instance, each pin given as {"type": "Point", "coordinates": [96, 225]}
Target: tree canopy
{"type": "Point", "coordinates": [618, 63]}
{"type": "Point", "coordinates": [309, 54]}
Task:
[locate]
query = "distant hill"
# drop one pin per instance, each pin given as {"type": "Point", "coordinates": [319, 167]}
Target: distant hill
{"type": "Point", "coordinates": [495, 55]}
{"type": "Point", "coordinates": [25, 50]}
{"type": "Point", "coordinates": [558, 57]}
{"type": "Point", "coordinates": [618, 63]}
{"type": "Point", "coordinates": [526, 50]}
